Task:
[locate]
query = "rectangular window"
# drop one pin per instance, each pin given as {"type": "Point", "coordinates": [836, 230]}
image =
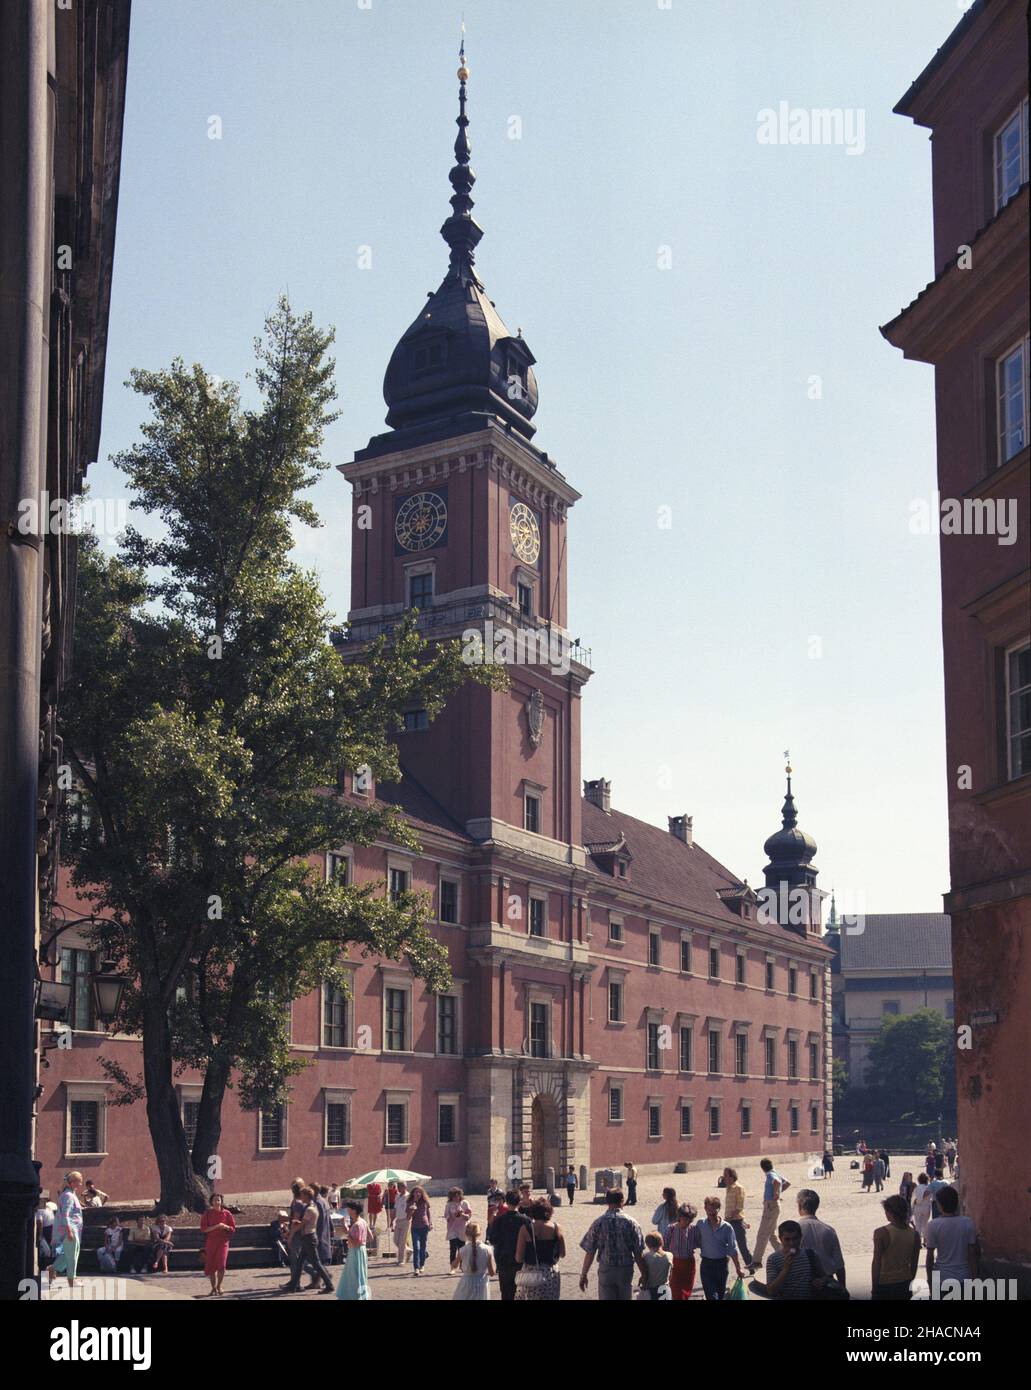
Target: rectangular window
{"type": "Point", "coordinates": [448, 909]}
{"type": "Point", "coordinates": [746, 1119]}
{"type": "Point", "coordinates": [273, 1127]}
{"type": "Point", "coordinates": [525, 595]}
{"type": "Point", "coordinates": [814, 985]}
{"type": "Point", "coordinates": [792, 980]}
{"type": "Point", "coordinates": [191, 1111]}
{"type": "Point", "coordinates": [771, 1055]}
{"type": "Point", "coordinates": [615, 929]}
{"type": "Point", "coordinates": [538, 1030]}
{"type": "Point", "coordinates": [814, 1119]}
{"type": "Point", "coordinates": [792, 1059]}
{"type": "Point", "coordinates": [740, 968]}
{"type": "Point", "coordinates": [654, 1062]}
{"type": "Point", "coordinates": [447, 1123]}
{"type": "Point", "coordinates": [397, 1122]}
{"type": "Point", "coordinates": [714, 1120]}
{"type": "Point", "coordinates": [686, 1127]}
{"type": "Point", "coordinates": [396, 1039]}
{"type": "Point", "coordinates": [714, 1050]}
{"type": "Point", "coordinates": [334, 1016]}
{"type": "Point", "coordinates": [338, 868]}
{"type": "Point", "coordinates": [338, 1124]}
{"type": "Point", "coordinates": [1011, 401]}
{"type": "Point", "coordinates": [615, 1102]}
{"type": "Point", "coordinates": [654, 947]}
{"type": "Point", "coordinates": [77, 971]}
{"type": "Point", "coordinates": [890, 1006]}
{"type": "Point", "coordinates": [84, 1137]}
{"type": "Point", "coordinates": [685, 955]}
{"type": "Point", "coordinates": [814, 1061]}
{"type": "Point", "coordinates": [769, 974]}
{"type": "Point", "coordinates": [793, 1115]}
{"type": "Point", "coordinates": [532, 814]}
{"type": "Point", "coordinates": [1011, 156]}
{"type": "Point", "coordinates": [615, 1001]}
{"type": "Point", "coordinates": [655, 1122]}
{"type": "Point", "coordinates": [420, 590]}
{"type": "Point", "coordinates": [1018, 710]}
{"type": "Point", "coordinates": [741, 1054]}
{"type": "Point", "coordinates": [714, 962]}
{"type": "Point", "coordinates": [429, 357]}
{"type": "Point", "coordinates": [774, 1119]}
{"type": "Point", "coordinates": [399, 882]}
{"type": "Point", "coordinates": [686, 1049]}
{"type": "Point", "coordinates": [537, 917]}
{"type": "Point", "coordinates": [416, 721]}
{"type": "Point", "coordinates": [447, 1025]}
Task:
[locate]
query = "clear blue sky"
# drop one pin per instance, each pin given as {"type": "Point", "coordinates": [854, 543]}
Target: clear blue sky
{"type": "Point", "coordinates": [686, 388]}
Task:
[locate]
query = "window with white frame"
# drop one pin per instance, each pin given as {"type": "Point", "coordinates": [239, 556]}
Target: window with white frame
{"type": "Point", "coordinates": [615, 1001]}
{"type": "Point", "coordinates": [814, 984]}
{"type": "Point", "coordinates": [190, 1109]}
{"type": "Point", "coordinates": [740, 967]}
{"type": "Point", "coordinates": [715, 1116]}
{"type": "Point", "coordinates": [686, 1124]}
{"type": "Point", "coordinates": [746, 1120]}
{"type": "Point", "coordinates": [447, 909]}
{"type": "Point", "coordinates": [741, 1054]}
{"type": "Point", "coordinates": [793, 1058]}
{"type": "Point", "coordinates": [774, 1119]}
{"type": "Point", "coordinates": [396, 1017]}
{"type": "Point", "coordinates": [447, 1025]}
{"type": "Point", "coordinates": [653, 1060]}
{"type": "Point", "coordinates": [793, 1117]}
{"type": "Point", "coordinates": [336, 1016]}
{"type": "Point", "coordinates": [770, 1045]}
{"type": "Point", "coordinates": [272, 1127]}
{"type": "Point", "coordinates": [77, 971]}
{"type": "Point", "coordinates": [532, 812]}
{"type": "Point", "coordinates": [814, 1119]}
{"type": "Point", "coordinates": [715, 1049]}
{"type": "Point", "coordinates": [769, 972]}
{"type": "Point", "coordinates": [538, 916]}
{"type": "Point", "coordinates": [447, 1119]}
{"type": "Point", "coordinates": [714, 961]}
{"type": "Point", "coordinates": [685, 955]}
{"type": "Point", "coordinates": [654, 947]}
{"type": "Point", "coordinates": [686, 1048]}
{"type": "Point", "coordinates": [1011, 156]}
{"type": "Point", "coordinates": [420, 588]}
{"type": "Point", "coordinates": [1011, 400]}
{"type": "Point", "coordinates": [338, 867]}
{"type": "Point", "coordinates": [336, 1119]}
{"type": "Point", "coordinates": [399, 880]}
{"type": "Point", "coordinates": [524, 597]}
{"type": "Point", "coordinates": [615, 929]}
{"type": "Point", "coordinates": [615, 1101]}
{"type": "Point", "coordinates": [792, 979]}
{"type": "Point", "coordinates": [1018, 710]}
{"type": "Point", "coordinates": [654, 1121]}
{"type": "Point", "coordinates": [85, 1118]}
{"type": "Point", "coordinates": [396, 1120]}
{"type": "Point", "coordinates": [814, 1061]}
{"type": "Point", "coordinates": [540, 1028]}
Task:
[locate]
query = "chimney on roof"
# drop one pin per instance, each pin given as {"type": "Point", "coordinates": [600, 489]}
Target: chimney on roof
{"type": "Point", "coordinates": [683, 828]}
{"type": "Point", "coordinates": [598, 793]}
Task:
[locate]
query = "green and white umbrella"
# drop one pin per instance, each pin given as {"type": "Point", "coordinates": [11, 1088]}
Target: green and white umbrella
{"type": "Point", "coordinates": [388, 1175]}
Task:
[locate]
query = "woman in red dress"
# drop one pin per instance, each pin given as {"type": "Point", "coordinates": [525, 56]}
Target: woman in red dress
{"type": "Point", "coordinates": [218, 1226]}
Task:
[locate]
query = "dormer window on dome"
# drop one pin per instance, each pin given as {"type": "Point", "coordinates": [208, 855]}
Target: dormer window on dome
{"type": "Point", "coordinates": [429, 355]}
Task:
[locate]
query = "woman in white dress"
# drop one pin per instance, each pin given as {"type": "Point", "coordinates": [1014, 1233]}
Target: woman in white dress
{"type": "Point", "coordinates": [920, 1205]}
{"type": "Point", "coordinates": [475, 1262]}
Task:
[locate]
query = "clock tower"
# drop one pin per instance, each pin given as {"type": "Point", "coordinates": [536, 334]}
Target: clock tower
{"type": "Point", "coordinates": [459, 515]}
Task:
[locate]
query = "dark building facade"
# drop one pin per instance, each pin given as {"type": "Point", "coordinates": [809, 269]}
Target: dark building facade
{"type": "Point", "coordinates": [971, 323]}
{"type": "Point", "coordinates": [617, 993]}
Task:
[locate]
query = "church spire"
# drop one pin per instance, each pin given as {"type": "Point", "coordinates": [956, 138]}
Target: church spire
{"type": "Point", "coordinates": [789, 816]}
{"type": "Point", "coordinates": [460, 231]}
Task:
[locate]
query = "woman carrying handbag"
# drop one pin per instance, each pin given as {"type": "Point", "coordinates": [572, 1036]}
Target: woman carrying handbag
{"type": "Point", "coordinates": [539, 1246]}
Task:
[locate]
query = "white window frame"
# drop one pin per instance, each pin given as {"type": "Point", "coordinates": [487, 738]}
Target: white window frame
{"type": "Point", "coordinates": [1015, 649]}
{"type": "Point", "coordinates": [686, 1109]}
{"type": "Point", "coordinates": [687, 1028]}
{"type": "Point", "coordinates": [616, 1089]}
{"type": "Point", "coordinates": [1020, 116]}
{"type": "Point", "coordinates": [414, 571]}
{"type": "Point", "coordinates": [741, 967]}
{"type": "Point", "coordinates": [770, 972]}
{"type": "Point", "coordinates": [538, 800]}
{"type": "Point", "coordinates": [537, 895]}
{"type": "Point", "coordinates": [404, 984]}
{"type": "Point", "coordinates": [686, 941]}
{"type": "Point", "coordinates": [456, 881]}
{"type": "Point", "coordinates": [715, 1107]}
{"type": "Point", "coordinates": [746, 1109]}
{"type": "Point", "coordinates": [538, 997]}
{"type": "Point", "coordinates": [654, 955]}
{"type": "Point", "coordinates": [451, 1098]}
{"type": "Point", "coordinates": [284, 1135]}
{"type": "Point", "coordinates": [716, 1033]}
{"type": "Point", "coordinates": [348, 1045]}
{"type": "Point", "coordinates": [399, 866]}
{"type": "Point", "coordinates": [347, 855]}
{"type": "Point", "coordinates": [618, 978]}
{"type": "Point", "coordinates": [403, 1098]}
{"type": "Point", "coordinates": [617, 936]}
{"type": "Point", "coordinates": [740, 1065]}
{"type": "Point", "coordinates": [1021, 346]}
{"type": "Point", "coordinates": [714, 947]}
{"type": "Point", "coordinates": [455, 993]}
{"type": "Point", "coordinates": [337, 1095]}
{"type": "Point", "coordinates": [90, 1093]}
{"type": "Point", "coordinates": [655, 1104]}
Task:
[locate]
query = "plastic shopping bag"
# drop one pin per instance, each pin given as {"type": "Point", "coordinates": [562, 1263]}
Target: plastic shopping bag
{"type": "Point", "coordinates": [738, 1292]}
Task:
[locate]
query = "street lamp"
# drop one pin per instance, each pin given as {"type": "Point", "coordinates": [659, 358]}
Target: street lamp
{"type": "Point", "coordinates": [108, 988]}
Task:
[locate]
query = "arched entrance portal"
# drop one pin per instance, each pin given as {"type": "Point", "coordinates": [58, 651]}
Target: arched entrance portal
{"type": "Point", "coordinates": [544, 1147]}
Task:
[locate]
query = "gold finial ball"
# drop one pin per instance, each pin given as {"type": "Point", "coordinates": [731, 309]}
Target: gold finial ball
{"type": "Point", "coordinates": [788, 769]}
{"type": "Point", "coordinates": [463, 73]}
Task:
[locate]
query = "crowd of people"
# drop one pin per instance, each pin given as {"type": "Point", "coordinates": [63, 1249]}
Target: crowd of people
{"type": "Point", "coordinates": [522, 1245]}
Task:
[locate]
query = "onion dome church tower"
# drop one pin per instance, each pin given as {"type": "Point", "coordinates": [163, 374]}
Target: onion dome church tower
{"type": "Point", "coordinates": [790, 873]}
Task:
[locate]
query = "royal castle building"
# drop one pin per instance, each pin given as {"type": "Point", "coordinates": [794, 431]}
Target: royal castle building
{"type": "Point", "coordinates": [617, 993]}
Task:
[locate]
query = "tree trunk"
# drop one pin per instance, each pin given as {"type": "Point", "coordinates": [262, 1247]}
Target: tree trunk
{"type": "Point", "coordinates": [179, 1185]}
{"type": "Point", "coordinates": [206, 1164]}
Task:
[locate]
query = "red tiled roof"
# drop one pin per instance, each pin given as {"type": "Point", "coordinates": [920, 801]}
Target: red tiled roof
{"type": "Point", "coordinates": [419, 806]}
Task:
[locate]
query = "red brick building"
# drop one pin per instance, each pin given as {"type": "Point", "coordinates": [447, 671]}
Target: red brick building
{"type": "Point", "coordinates": [971, 322]}
{"type": "Point", "coordinates": [617, 993]}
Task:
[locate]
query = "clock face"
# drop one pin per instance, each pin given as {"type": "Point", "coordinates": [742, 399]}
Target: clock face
{"type": "Point", "coordinates": [421, 521]}
{"type": "Point", "coordinates": [526, 534]}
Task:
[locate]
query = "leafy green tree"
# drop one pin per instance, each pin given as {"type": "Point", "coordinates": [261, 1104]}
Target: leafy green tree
{"type": "Point", "coordinates": [839, 1080]}
{"type": "Point", "coordinates": [208, 721]}
{"type": "Point", "coordinates": [910, 1063]}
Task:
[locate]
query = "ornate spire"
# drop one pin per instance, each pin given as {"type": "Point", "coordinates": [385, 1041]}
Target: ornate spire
{"type": "Point", "coordinates": [788, 813]}
{"type": "Point", "coordinates": [460, 231]}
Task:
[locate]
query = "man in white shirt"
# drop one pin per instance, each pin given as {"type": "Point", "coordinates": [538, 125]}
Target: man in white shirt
{"type": "Point", "coordinates": [401, 1222]}
{"type": "Point", "coordinates": [951, 1240]}
{"type": "Point", "coordinates": [818, 1236]}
